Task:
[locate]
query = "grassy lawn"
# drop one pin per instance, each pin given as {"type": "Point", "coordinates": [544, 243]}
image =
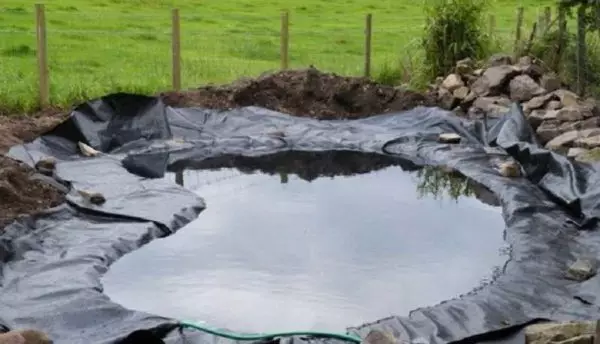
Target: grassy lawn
{"type": "Point", "coordinates": [99, 46]}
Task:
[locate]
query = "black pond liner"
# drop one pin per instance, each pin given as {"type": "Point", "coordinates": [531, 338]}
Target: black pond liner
{"type": "Point", "coordinates": [53, 262]}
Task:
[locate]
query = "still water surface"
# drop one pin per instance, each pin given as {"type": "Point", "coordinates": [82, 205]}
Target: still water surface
{"type": "Point", "coordinates": [277, 252]}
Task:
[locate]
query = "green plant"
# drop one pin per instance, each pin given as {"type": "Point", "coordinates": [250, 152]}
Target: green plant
{"type": "Point", "coordinates": [453, 31]}
{"type": "Point", "coordinates": [545, 49]}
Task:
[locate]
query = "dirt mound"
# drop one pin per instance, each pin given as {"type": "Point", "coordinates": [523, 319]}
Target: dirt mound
{"type": "Point", "coordinates": [18, 128]}
{"type": "Point", "coordinates": [20, 195]}
{"type": "Point", "coordinates": [307, 93]}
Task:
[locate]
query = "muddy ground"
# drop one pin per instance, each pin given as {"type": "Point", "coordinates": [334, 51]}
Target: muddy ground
{"type": "Point", "coordinates": [306, 92]}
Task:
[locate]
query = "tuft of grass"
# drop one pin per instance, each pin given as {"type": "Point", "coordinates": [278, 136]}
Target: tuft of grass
{"type": "Point", "coordinates": [454, 30]}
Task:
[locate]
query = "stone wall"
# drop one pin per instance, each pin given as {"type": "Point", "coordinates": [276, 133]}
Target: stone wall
{"type": "Point", "coordinates": [563, 121]}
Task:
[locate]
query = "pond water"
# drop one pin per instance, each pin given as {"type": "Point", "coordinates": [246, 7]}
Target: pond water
{"type": "Point", "coordinates": [304, 241]}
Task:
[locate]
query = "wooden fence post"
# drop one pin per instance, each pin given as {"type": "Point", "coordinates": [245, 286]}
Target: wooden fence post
{"type": "Point", "coordinates": [176, 48]}
{"type": "Point", "coordinates": [492, 25]}
{"type": "Point", "coordinates": [285, 40]}
{"type": "Point", "coordinates": [42, 55]}
{"type": "Point", "coordinates": [562, 36]}
{"type": "Point", "coordinates": [519, 28]}
{"type": "Point", "coordinates": [368, 36]}
{"type": "Point", "coordinates": [581, 59]}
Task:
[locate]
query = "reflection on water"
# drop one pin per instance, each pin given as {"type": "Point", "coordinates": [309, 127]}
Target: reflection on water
{"type": "Point", "coordinates": [315, 241]}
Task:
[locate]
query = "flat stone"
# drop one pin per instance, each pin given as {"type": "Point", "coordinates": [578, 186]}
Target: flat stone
{"type": "Point", "coordinates": [523, 88]}
{"type": "Point", "coordinates": [449, 138]}
{"type": "Point", "coordinates": [478, 72]}
{"type": "Point", "coordinates": [567, 98]}
{"type": "Point", "coordinates": [379, 337]}
{"type": "Point", "coordinates": [452, 82]}
{"type": "Point", "coordinates": [581, 270]}
{"type": "Point", "coordinates": [537, 102]}
{"type": "Point", "coordinates": [575, 152]}
{"type": "Point", "coordinates": [493, 80]}
{"type": "Point", "coordinates": [588, 142]}
{"type": "Point", "coordinates": [545, 333]}
{"type": "Point", "coordinates": [570, 114]}
{"type": "Point", "coordinates": [589, 123]}
{"type": "Point", "coordinates": [547, 131]}
{"type": "Point", "coordinates": [530, 67]}
{"type": "Point", "coordinates": [550, 82]}
{"type": "Point", "coordinates": [461, 93]}
{"type": "Point", "coordinates": [567, 139]}
{"type": "Point", "coordinates": [540, 115]}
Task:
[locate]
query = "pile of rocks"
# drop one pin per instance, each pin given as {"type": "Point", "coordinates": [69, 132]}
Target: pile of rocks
{"type": "Point", "coordinates": [563, 121]}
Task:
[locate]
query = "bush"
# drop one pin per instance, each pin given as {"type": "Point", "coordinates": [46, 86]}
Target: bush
{"type": "Point", "coordinates": [545, 49]}
{"type": "Point", "coordinates": [454, 30]}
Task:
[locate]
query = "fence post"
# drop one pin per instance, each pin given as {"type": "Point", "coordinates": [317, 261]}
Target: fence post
{"type": "Point", "coordinates": [547, 19]}
{"type": "Point", "coordinates": [562, 34]}
{"type": "Point", "coordinates": [176, 48]}
{"type": "Point", "coordinates": [285, 39]}
{"type": "Point", "coordinates": [492, 25]}
{"type": "Point", "coordinates": [42, 55]}
{"type": "Point", "coordinates": [581, 60]}
{"type": "Point", "coordinates": [518, 32]}
{"type": "Point", "coordinates": [368, 36]}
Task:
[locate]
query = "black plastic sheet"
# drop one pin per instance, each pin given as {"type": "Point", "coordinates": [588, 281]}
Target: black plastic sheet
{"type": "Point", "coordinates": [53, 262]}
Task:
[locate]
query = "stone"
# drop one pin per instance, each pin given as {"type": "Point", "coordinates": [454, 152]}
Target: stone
{"type": "Point", "coordinates": [510, 169]}
{"type": "Point", "coordinates": [26, 336]}
{"type": "Point", "coordinates": [590, 156]}
{"type": "Point", "coordinates": [547, 131]}
{"type": "Point", "coordinates": [570, 114]}
{"type": "Point", "coordinates": [530, 67]}
{"type": "Point", "coordinates": [438, 81]}
{"type": "Point", "coordinates": [46, 166]}
{"type": "Point", "coordinates": [553, 105]}
{"type": "Point", "coordinates": [493, 80]}
{"type": "Point", "coordinates": [93, 197]}
{"type": "Point", "coordinates": [575, 152]}
{"type": "Point", "coordinates": [550, 82]}
{"type": "Point", "coordinates": [379, 337]}
{"type": "Point", "coordinates": [537, 102]}
{"type": "Point", "coordinates": [581, 270]}
{"type": "Point", "coordinates": [478, 72]}
{"type": "Point", "coordinates": [568, 138]}
{"type": "Point", "coordinates": [452, 82]}
{"type": "Point", "coordinates": [500, 60]}
{"type": "Point", "coordinates": [579, 125]}
{"type": "Point", "coordinates": [567, 98]}
{"type": "Point", "coordinates": [538, 116]}
{"type": "Point", "coordinates": [449, 138]}
{"type": "Point", "coordinates": [588, 142]}
{"type": "Point", "coordinates": [87, 150]}
{"type": "Point", "coordinates": [461, 92]}
{"type": "Point", "coordinates": [465, 66]}
{"type": "Point", "coordinates": [545, 333]}
{"type": "Point", "coordinates": [446, 99]}
{"type": "Point", "coordinates": [484, 103]}
{"type": "Point", "coordinates": [523, 88]}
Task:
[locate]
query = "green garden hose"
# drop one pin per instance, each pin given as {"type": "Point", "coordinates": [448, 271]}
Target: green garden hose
{"type": "Point", "coordinates": [263, 336]}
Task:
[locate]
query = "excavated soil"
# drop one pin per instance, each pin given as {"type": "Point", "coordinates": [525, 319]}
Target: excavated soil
{"type": "Point", "coordinates": [19, 195]}
{"type": "Point", "coordinates": [307, 92]}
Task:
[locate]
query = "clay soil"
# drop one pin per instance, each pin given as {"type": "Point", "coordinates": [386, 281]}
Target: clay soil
{"type": "Point", "coordinates": [307, 92]}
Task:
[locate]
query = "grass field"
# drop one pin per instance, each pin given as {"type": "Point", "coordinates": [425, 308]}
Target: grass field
{"type": "Point", "coordinates": [96, 47]}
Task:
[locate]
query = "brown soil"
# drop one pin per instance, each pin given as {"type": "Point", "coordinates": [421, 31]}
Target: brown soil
{"type": "Point", "coordinates": [306, 92]}
{"type": "Point", "coordinates": [21, 196]}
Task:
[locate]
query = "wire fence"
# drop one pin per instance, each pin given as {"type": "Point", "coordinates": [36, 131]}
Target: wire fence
{"type": "Point", "coordinates": [88, 55]}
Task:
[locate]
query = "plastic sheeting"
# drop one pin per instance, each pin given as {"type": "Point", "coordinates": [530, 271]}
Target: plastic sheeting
{"type": "Point", "coordinates": [53, 263]}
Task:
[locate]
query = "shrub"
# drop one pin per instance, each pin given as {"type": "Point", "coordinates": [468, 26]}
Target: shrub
{"type": "Point", "coordinates": [454, 30]}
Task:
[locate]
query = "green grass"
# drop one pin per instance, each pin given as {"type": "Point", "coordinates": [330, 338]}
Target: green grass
{"type": "Point", "coordinates": [96, 47]}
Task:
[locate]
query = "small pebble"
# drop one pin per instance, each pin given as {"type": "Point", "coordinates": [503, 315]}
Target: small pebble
{"type": "Point", "coordinates": [93, 197]}
{"type": "Point", "coordinates": [46, 166]}
{"type": "Point", "coordinates": [581, 270]}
